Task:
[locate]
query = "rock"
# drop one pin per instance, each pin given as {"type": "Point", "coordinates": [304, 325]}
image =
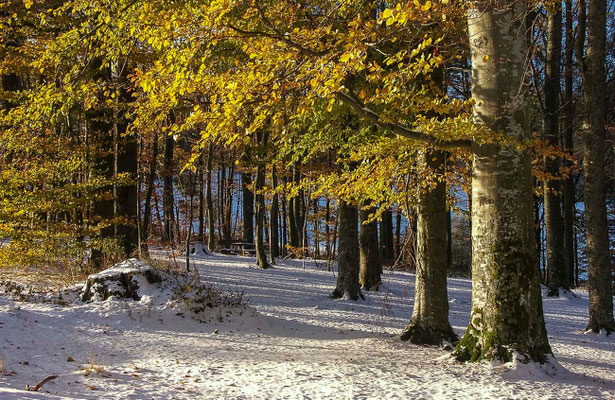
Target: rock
{"type": "Point", "coordinates": [121, 281]}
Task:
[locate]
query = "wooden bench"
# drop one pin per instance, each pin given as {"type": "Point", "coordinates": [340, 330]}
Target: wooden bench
{"type": "Point", "coordinates": [240, 248]}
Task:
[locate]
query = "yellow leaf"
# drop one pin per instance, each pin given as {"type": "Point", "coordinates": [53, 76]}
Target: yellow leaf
{"type": "Point", "coordinates": [387, 13]}
{"type": "Point", "coordinates": [345, 57]}
{"type": "Point", "coordinates": [426, 6]}
{"type": "Point", "coordinates": [486, 58]}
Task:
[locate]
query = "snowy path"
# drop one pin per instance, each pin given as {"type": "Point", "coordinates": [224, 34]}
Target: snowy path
{"type": "Point", "coordinates": [303, 345]}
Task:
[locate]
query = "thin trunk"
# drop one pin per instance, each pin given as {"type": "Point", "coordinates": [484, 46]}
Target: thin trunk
{"type": "Point", "coordinates": [274, 238]}
{"type": "Point", "coordinates": [327, 229]}
{"type": "Point", "coordinates": [284, 226]}
{"type": "Point", "coordinates": [147, 211]}
{"type": "Point", "coordinates": [449, 239]}
{"type": "Point", "coordinates": [398, 219]}
{"type": "Point", "coordinates": [506, 317]}
{"type": "Point", "coordinates": [554, 224]}
{"type": "Point", "coordinates": [568, 189]}
{"type": "Point", "coordinates": [201, 183]}
{"type": "Point", "coordinates": [429, 323]}
{"type": "Point", "coordinates": [371, 265]}
{"type": "Point", "coordinates": [168, 200]}
{"type": "Point", "coordinates": [316, 230]}
{"type": "Point", "coordinates": [211, 242]}
{"type": "Point", "coordinates": [102, 161]}
{"type": "Point", "coordinates": [247, 205]}
{"type": "Point", "coordinates": [189, 221]}
{"type": "Point", "coordinates": [293, 215]}
{"type": "Point", "coordinates": [386, 238]}
{"type": "Point", "coordinates": [261, 254]}
{"type": "Point", "coordinates": [348, 258]}
{"type": "Point", "coordinates": [600, 280]}
{"type": "Point", "coordinates": [228, 206]}
{"type": "Point", "coordinates": [126, 163]}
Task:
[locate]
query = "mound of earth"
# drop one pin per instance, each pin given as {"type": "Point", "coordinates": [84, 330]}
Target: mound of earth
{"type": "Point", "coordinates": [149, 291]}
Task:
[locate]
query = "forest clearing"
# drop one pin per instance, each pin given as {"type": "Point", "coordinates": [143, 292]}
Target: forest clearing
{"type": "Point", "coordinates": [298, 344]}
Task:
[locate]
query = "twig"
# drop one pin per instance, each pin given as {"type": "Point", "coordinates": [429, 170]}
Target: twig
{"type": "Point", "coordinates": [41, 383]}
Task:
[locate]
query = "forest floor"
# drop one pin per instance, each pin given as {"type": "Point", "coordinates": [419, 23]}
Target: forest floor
{"type": "Point", "coordinates": [298, 344]}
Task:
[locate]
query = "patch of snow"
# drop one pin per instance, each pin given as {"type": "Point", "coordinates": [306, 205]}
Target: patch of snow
{"type": "Point", "coordinates": [298, 343]}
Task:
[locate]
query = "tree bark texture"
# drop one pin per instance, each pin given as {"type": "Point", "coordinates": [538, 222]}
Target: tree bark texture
{"type": "Point", "coordinates": [568, 189]}
{"type": "Point", "coordinates": [247, 207]}
{"type": "Point", "coordinates": [429, 323]}
{"type": "Point", "coordinates": [168, 200]}
{"type": "Point", "coordinates": [386, 238]}
{"type": "Point", "coordinates": [506, 314]}
{"type": "Point", "coordinates": [274, 245]}
{"type": "Point", "coordinates": [593, 133]}
{"type": "Point", "coordinates": [557, 277]}
{"type": "Point", "coordinates": [211, 241]}
{"type": "Point", "coordinates": [371, 265]}
{"type": "Point", "coordinates": [261, 254]}
{"type": "Point", "coordinates": [348, 254]}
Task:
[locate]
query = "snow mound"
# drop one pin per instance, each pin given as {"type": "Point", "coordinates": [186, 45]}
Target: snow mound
{"type": "Point", "coordinates": [147, 291]}
{"type": "Point", "coordinates": [520, 368]}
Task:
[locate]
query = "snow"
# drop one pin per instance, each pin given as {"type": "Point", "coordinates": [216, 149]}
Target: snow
{"type": "Point", "coordinates": [292, 342]}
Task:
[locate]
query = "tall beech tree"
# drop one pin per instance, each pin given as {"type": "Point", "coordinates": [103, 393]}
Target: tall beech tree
{"type": "Point", "coordinates": [506, 300]}
{"type": "Point", "coordinates": [429, 323]}
{"type": "Point", "coordinates": [593, 136]}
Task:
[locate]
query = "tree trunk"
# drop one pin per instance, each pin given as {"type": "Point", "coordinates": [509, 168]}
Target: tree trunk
{"type": "Point", "coordinates": [317, 230]}
{"type": "Point", "coordinates": [284, 224]}
{"type": "Point", "coordinates": [102, 161]}
{"type": "Point", "coordinates": [211, 242]}
{"type": "Point", "coordinates": [386, 237]}
{"type": "Point", "coordinates": [554, 224]}
{"type": "Point", "coordinates": [506, 312]}
{"type": "Point", "coordinates": [200, 185]}
{"type": "Point", "coordinates": [371, 265]}
{"type": "Point", "coordinates": [126, 163]}
{"type": "Point", "coordinates": [261, 254]}
{"type": "Point", "coordinates": [568, 189]}
{"type": "Point", "coordinates": [398, 219]}
{"type": "Point", "coordinates": [594, 87]}
{"type": "Point", "coordinates": [227, 224]}
{"type": "Point", "coordinates": [348, 258]}
{"type": "Point", "coordinates": [293, 215]}
{"type": "Point", "coordinates": [274, 247]}
{"type": "Point", "coordinates": [327, 229]}
{"type": "Point", "coordinates": [167, 190]}
{"type": "Point", "coordinates": [247, 206]}
{"type": "Point", "coordinates": [147, 211]}
{"type": "Point", "coordinates": [429, 323]}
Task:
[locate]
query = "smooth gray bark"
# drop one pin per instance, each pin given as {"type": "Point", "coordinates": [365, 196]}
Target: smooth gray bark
{"type": "Point", "coordinates": [506, 314]}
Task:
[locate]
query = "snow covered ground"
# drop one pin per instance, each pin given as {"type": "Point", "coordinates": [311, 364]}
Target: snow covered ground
{"type": "Point", "coordinates": [300, 345]}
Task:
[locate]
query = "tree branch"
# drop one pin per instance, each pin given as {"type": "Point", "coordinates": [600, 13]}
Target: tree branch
{"type": "Point", "coordinates": [400, 130]}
